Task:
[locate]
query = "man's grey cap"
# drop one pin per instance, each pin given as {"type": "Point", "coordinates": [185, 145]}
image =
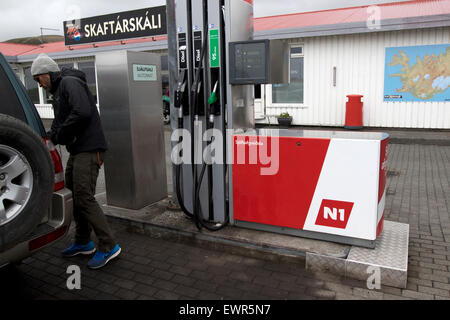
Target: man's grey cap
{"type": "Point", "coordinates": [43, 64]}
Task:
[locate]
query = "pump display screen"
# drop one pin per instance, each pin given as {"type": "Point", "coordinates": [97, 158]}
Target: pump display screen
{"type": "Point", "coordinates": [249, 62]}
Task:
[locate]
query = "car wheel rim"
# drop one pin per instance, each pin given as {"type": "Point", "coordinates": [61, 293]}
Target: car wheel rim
{"type": "Point", "coordinates": [16, 183]}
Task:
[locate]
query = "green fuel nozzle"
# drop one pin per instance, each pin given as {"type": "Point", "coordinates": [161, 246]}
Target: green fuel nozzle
{"type": "Point", "coordinates": [211, 101]}
{"type": "Point", "coordinates": [213, 98]}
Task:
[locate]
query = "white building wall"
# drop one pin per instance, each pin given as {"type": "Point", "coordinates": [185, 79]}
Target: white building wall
{"type": "Point", "coordinates": [359, 60]}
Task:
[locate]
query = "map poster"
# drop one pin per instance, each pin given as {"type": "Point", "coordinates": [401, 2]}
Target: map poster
{"type": "Point", "coordinates": [417, 73]}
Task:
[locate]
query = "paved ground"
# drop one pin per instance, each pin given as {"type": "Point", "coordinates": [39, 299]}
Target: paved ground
{"type": "Point", "coordinates": [418, 189]}
{"type": "Point", "coordinates": [155, 269]}
{"type": "Point", "coordinates": [418, 194]}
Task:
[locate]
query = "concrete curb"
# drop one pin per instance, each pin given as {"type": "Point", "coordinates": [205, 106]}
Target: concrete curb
{"type": "Point", "coordinates": [252, 250]}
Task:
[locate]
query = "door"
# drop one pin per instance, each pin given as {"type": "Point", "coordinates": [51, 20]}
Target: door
{"type": "Point", "coordinates": [260, 102]}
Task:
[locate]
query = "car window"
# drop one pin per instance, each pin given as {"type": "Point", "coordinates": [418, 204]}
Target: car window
{"type": "Point", "coordinates": [9, 103]}
{"type": "Point", "coordinates": [18, 94]}
{"type": "Point", "coordinates": [31, 86]}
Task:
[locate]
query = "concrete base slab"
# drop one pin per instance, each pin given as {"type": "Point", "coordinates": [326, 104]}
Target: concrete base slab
{"type": "Point", "coordinates": [156, 220]}
{"type": "Point", "coordinates": [390, 253]}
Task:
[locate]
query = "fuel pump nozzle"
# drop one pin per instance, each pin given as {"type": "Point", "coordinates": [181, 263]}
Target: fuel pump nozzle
{"type": "Point", "coordinates": [179, 93]}
{"type": "Point", "coordinates": [211, 101]}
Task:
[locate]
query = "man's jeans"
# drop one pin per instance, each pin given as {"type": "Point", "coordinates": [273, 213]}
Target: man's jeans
{"type": "Point", "coordinates": [81, 177]}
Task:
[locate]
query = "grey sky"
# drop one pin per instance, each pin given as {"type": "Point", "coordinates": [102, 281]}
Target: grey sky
{"type": "Point", "coordinates": [24, 18]}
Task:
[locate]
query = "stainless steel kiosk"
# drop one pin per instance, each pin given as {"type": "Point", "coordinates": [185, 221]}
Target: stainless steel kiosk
{"type": "Point", "coordinates": [130, 99]}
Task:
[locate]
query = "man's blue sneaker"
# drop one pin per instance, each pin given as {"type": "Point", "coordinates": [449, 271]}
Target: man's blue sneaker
{"type": "Point", "coordinates": [75, 249]}
{"type": "Point", "coordinates": [101, 258]}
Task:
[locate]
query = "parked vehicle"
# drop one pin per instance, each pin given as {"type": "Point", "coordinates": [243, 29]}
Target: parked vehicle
{"type": "Point", "coordinates": [35, 207]}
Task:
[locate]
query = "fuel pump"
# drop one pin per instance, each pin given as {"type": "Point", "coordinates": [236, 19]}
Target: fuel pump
{"type": "Point", "coordinates": [218, 65]}
{"type": "Point", "coordinates": [204, 185]}
{"type": "Point", "coordinates": [200, 96]}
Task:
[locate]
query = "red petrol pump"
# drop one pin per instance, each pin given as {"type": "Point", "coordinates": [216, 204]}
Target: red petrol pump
{"type": "Point", "coordinates": [328, 185]}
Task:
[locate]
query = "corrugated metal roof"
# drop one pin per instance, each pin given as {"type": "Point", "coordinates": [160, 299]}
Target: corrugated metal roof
{"type": "Point", "coordinates": [396, 10]}
{"type": "Point", "coordinates": [13, 49]}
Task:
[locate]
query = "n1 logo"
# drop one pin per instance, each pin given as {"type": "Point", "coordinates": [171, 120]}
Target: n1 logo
{"type": "Point", "coordinates": [333, 213]}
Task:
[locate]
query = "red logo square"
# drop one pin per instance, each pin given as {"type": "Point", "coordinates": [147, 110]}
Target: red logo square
{"type": "Point", "coordinates": [333, 213]}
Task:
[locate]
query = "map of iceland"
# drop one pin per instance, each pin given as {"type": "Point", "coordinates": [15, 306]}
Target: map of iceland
{"type": "Point", "coordinates": [418, 73]}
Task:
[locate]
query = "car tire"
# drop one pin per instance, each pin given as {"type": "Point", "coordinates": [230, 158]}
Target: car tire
{"type": "Point", "coordinates": [26, 181]}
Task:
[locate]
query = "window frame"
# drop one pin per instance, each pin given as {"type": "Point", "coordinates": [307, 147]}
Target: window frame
{"type": "Point", "coordinates": [268, 87]}
{"type": "Point", "coordinates": [76, 66]}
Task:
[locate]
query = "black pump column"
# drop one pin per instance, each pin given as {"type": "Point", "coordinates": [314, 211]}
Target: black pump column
{"type": "Point", "coordinates": [203, 28]}
{"type": "Point", "coordinates": [182, 107]}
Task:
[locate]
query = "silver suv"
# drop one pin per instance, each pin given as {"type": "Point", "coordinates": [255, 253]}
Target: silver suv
{"type": "Point", "coordinates": [35, 207]}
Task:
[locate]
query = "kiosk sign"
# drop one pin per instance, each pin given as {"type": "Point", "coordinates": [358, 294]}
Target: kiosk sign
{"type": "Point", "coordinates": [144, 72]}
{"type": "Point", "coordinates": [140, 23]}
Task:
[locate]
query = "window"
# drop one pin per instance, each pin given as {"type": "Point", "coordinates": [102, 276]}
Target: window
{"type": "Point", "coordinates": [257, 91]}
{"type": "Point", "coordinates": [165, 83]}
{"type": "Point", "coordinates": [10, 102]}
{"type": "Point", "coordinates": [164, 63]}
{"type": "Point", "coordinates": [31, 86]}
{"type": "Point", "coordinates": [89, 69]}
{"type": "Point", "coordinates": [292, 92]}
{"type": "Point", "coordinates": [65, 65]}
{"type": "Point", "coordinates": [16, 70]}
{"type": "Point", "coordinates": [165, 73]}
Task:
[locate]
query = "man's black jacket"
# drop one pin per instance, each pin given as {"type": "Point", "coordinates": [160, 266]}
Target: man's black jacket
{"type": "Point", "coordinates": [77, 122]}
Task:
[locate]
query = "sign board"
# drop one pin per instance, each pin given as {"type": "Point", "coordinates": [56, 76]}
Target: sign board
{"type": "Point", "coordinates": [417, 73]}
{"type": "Point", "coordinates": [182, 52]}
{"type": "Point", "coordinates": [214, 48]}
{"type": "Point", "coordinates": [140, 23]}
{"type": "Point", "coordinates": [197, 48]}
{"type": "Point", "coordinates": [144, 72]}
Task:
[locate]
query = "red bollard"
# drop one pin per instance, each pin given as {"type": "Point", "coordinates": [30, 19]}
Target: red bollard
{"type": "Point", "coordinates": [353, 112]}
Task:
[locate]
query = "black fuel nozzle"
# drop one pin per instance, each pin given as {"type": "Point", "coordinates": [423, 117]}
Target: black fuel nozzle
{"type": "Point", "coordinates": [197, 93]}
{"type": "Point", "coordinates": [180, 93]}
{"type": "Point", "coordinates": [181, 86]}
